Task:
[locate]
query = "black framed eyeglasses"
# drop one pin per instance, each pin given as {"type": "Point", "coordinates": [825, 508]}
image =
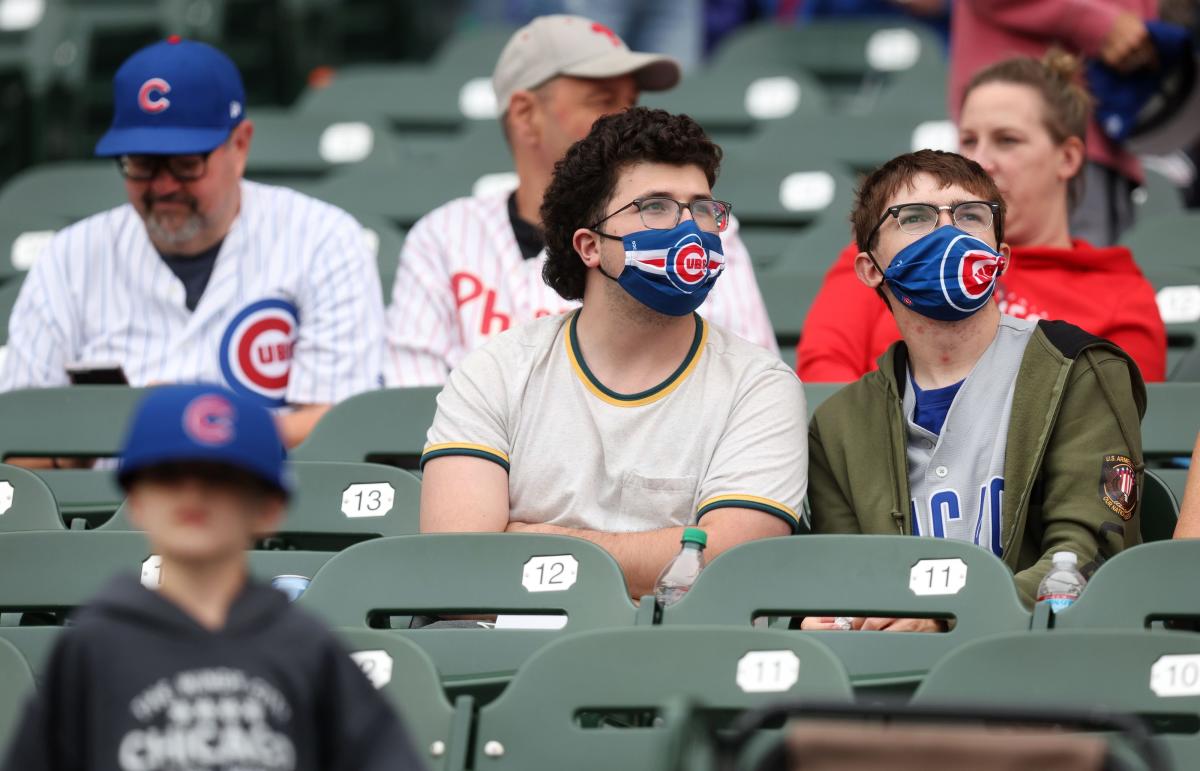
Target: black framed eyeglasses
{"type": "Point", "coordinates": [918, 219]}
{"type": "Point", "coordinates": [184, 168]}
{"type": "Point", "coordinates": [658, 213]}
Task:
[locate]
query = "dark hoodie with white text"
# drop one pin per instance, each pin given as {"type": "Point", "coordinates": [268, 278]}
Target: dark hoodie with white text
{"type": "Point", "coordinates": [136, 684]}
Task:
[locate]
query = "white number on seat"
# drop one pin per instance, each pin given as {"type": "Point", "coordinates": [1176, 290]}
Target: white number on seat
{"type": "Point", "coordinates": [931, 577]}
{"type": "Point", "coordinates": [368, 500]}
{"type": "Point", "coordinates": [1176, 675]}
{"type": "Point", "coordinates": [376, 665]}
{"type": "Point", "coordinates": [6, 496]}
{"type": "Point", "coordinates": [556, 573]}
{"type": "Point", "coordinates": [768, 671]}
{"type": "Point", "coordinates": [152, 572]}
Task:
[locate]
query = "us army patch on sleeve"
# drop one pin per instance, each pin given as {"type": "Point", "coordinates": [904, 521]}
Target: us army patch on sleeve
{"type": "Point", "coordinates": [1118, 485]}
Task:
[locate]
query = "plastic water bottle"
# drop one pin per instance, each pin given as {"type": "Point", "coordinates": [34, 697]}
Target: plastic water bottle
{"type": "Point", "coordinates": [680, 573]}
{"type": "Point", "coordinates": [1064, 583]}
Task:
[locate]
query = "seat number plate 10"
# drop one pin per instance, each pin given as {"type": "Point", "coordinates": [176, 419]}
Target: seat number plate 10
{"type": "Point", "coordinates": [1176, 675]}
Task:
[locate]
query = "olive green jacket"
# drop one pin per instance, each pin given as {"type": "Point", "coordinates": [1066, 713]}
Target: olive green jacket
{"type": "Point", "coordinates": [1078, 401]}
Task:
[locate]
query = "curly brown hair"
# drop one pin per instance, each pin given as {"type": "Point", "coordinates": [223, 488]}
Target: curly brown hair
{"type": "Point", "coordinates": [584, 180]}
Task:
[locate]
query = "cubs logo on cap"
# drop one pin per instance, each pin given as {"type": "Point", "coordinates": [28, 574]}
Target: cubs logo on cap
{"type": "Point", "coordinates": [152, 95]}
{"type": "Point", "coordinates": [209, 419]}
{"type": "Point", "coordinates": [970, 285]}
{"type": "Point", "coordinates": [256, 350]}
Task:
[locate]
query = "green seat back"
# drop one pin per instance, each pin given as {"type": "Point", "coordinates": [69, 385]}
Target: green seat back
{"type": "Point", "coordinates": [408, 678]}
{"type": "Point", "coordinates": [1175, 479]}
{"type": "Point", "coordinates": [1159, 510]}
{"type": "Point", "coordinates": [1118, 671]}
{"type": "Point", "coordinates": [69, 190]}
{"type": "Point", "coordinates": [26, 503]}
{"type": "Point", "coordinates": [1163, 240]}
{"type": "Point", "coordinates": [384, 424]}
{"type": "Point", "coordinates": [18, 687]}
{"type": "Point", "coordinates": [535, 723]}
{"type": "Point", "coordinates": [791, 191]}
{"type": "Point", "coordinates": [66, 421]}
{"type": "Point", "coordinates": [816, 393]}
{"type": "Point", "coordinates": [1147, 581]}
{"type": "Point", "coordinates": [472, 573]}
{"type": "Point", "coordinates": [787, 296]}
{"type": "Point", "coordinates": [1170, 425]}
{"type": "Point", "coordinates": [336, 504]}
{"type": "Point", "coordinates": [860, 575]}
{"type": "Point", "coordinates": [287, 144]}
{"type": "Point", "coordinates": [86, 497]}
{"type": "Point", "coordinates": [750, 95]}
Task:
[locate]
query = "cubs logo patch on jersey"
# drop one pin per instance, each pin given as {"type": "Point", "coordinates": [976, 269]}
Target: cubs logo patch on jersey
{"type": "Point", "coordinates": [256, 350]}
{"type": "Point", "coordinates": [1118, 485]}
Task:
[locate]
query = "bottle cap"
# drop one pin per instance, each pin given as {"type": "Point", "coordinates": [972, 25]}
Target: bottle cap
{"type": "Point", "coordinates": [1065, 558]}
{"type": "Point", "coordinates": [694, 535]}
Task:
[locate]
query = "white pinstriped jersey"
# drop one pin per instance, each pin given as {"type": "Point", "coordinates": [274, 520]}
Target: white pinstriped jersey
{"type": "Point", "coordinates": [462, 279]}
{"type": "Point", "coordinates": [291, 312]}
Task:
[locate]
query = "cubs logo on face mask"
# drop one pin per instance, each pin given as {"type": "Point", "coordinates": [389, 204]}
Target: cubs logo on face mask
{"type": "Point", "coordinates": [256, 350]}
{"type": "Point", "coordinates": [671, 271]}
{"type": "Point", "coordinates": [209, 419]}
{"type": "Point", "coordinates": [947, 275]}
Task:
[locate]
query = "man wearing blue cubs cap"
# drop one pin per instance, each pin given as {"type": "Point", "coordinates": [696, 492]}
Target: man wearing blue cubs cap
{"type": "Point", "coordinates": [203, 275]}
{"type": "Point", "coordinates": [1017, 435]}
{"type": "Point", "coordinates": [208, 668]}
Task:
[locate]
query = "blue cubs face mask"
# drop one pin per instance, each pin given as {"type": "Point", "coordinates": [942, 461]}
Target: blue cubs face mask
{"type": "Point", "coordinates": [946, 275]}
{"type": "Point", "coordinates": [671, 271]}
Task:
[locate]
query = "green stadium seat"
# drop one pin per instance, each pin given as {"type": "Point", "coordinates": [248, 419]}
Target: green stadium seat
{"type": "Point", "coordinates": [792, 190]}
{"type": "Point", "coordinates": [26, 503]}
{"type": "Point", "coordinates": [852, 58]}
{"type": "Point", "coordinates": [1152, 674]}
{"type": "Point", "coordinates": [642, 676]}
{"type": "Point", "coordinates": [1175, 479]}
{"type": "Point", "coordinates": [383, 582]}
{"type": "Point", "coordinates": [86, 497]}
{"type": "Point", "coordinates": [336, 505]}
{"type": "Point", "coordinates": [441, 96]}
{"type": "Point", "coordinates": [18, 687]}
{"type": "Point", "coordinates": [1177, 289]}
{"type": "Point", "coordinates": [83, 421]}
{"type": "Point", "coordinates": [8, 298]}
{"type": "Point", "coordinates": [816, 393]}
{"type": "Point", "coordinates": [1159, 509]}
{"type": "Point", "coordinates": [1157, 196]}
{"type": "Point", "coordinates": [409, 680]}
{"type": "Point", "coordinates": [891, 576]}
{"type": "Point", "coordinates": [1148, 582]}
{"type": "Point", "coordinates": [787, 296]}
{"type": "Point", "coordinates": [1164, 240]}
{"type": "Point", "coordinates": [66, 191]}
{"type": "Point", "coordinates": [749, 95]}
{"type": "Point", "coordinates": [387, 425]}
{"type": "Point", "coordinates": [288, 144]}
{"type": "Point", "coordinates": [1170, 426]}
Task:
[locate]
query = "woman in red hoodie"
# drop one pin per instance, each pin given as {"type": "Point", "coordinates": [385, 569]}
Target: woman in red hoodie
{"type": "Point", "coordinates": [1024, 121]}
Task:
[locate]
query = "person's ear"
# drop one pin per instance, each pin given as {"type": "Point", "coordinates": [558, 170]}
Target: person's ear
{"type": "Point", "coordinates": [1005, 258]}
{"type": "Point", "coordinates": [587, 246]}
{"type": "Point", "coordinates": [1071, 155]}
{"type": "Point", "coordinates": [866, 271]}
{"type": "Point", "coordinates": [239, 144]}
{"type": "Point", "coordinates": [524, 119]}
{"type": "Point", "coordinates": [133, 508]}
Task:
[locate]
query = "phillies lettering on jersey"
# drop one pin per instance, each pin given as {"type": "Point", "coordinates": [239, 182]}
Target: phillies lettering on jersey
{"type": "Point", "coordinates": [291, 314]}
{"type": "Point", "coordinates": [462, 280]}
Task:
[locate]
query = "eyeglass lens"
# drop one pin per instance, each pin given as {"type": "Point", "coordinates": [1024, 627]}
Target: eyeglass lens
{"type": "Point", "coordinates": [922, 218]}
{"type": "Point", "coordinates": [665, 213]}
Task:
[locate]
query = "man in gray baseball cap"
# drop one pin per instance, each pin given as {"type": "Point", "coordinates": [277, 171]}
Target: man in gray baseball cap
{"type": "Point", "coordinates": [472, 267]}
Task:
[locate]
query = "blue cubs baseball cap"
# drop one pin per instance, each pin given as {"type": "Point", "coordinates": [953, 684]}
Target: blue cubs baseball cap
{"type": "Point", "coordinates": [204, 423]}
{"type": "Point", "coordinates": [173, 97]}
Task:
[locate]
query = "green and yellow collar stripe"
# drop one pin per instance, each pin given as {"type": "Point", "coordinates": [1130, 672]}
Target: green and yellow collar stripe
{"type": "Point", "coordinates": [774, 508]}
{"type": "Point", "coordinates": [575, 356]}
{"type": "Point", "coordinates": [464, 448]}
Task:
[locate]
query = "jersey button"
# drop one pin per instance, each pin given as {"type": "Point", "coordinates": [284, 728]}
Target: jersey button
{"type": "Point", "coordinates": [941, 471]}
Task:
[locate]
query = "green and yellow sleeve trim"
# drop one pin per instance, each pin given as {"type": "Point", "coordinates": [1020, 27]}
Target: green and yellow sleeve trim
{"type": "Point", "coordinates": [575, 356]}
{"type": "Point", "coordinates": [464, 448]}
{"type": "Point", "coordinates": [774, 508]}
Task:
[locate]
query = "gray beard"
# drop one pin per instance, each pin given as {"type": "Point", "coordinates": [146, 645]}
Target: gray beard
{"type": "Point", "coordinates": [176, 236]}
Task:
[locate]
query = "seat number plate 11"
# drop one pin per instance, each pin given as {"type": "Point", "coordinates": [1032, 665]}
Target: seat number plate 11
{"type": "Point", "coordinates": [768, 671]}
{"type": "Point", "coordinates": [556, 573]}
{"type": "Point", "coordinates": [933, 577]}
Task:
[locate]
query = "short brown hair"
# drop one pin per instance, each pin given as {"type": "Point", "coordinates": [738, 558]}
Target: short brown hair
{"type": "Point", "coordinates": [584, 180]}
{"type": "Point", "coordinates": [947, 168]}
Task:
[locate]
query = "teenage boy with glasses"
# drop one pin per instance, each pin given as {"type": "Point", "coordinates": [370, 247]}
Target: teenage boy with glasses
{"type": "Point", "coordinates": [1018, 436]}
{"type": "Point", "coordinates": [632, 417]}
{"type": "Point", "coordinates": [202, 276]}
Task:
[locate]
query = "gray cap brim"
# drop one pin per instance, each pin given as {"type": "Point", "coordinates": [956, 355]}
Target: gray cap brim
{"type": "Point", "coordinates": [653, 72]}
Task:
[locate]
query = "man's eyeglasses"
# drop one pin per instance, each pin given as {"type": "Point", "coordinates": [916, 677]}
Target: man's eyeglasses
{"type": "Point", "coordinates": [664, 213]}
{"type": "Point", "coordinates": [143, 168]}
{"type": "Point", "coordinates": [918, 219]}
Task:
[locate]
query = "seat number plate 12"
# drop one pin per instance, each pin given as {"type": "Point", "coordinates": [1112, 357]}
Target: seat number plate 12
{"type": "Point", "coordinates": [556, 573]}
{"type": "Point", "coordinates": [933, 577]}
